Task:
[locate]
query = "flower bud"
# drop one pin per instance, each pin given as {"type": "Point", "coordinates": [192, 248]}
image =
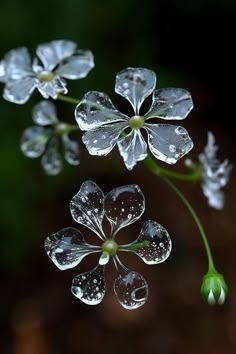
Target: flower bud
{"type": "Point", "coordinates": [214, 289]}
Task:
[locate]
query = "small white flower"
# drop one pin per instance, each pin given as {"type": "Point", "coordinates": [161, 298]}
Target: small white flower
{"type": "Point", "coordinates": [104, 124]}
{"type": "Point", "coordinates": [215, 175]}
{"type": "Point", "coordinates": [56, 61]}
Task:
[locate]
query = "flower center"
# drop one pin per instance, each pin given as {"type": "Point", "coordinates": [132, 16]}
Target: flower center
{"type": "Point", "coordinates": [45, 76]}
{"type": "Point", "coordinates": [110, 247]}
{"type": "Point", "coordinates": [136, 122]}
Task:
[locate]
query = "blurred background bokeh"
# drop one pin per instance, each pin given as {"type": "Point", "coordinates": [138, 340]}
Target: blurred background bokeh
{"type": "Point", "coordinates": [189, 44]}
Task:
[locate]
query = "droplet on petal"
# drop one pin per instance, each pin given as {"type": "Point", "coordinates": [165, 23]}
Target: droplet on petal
{"type": "Point", "coordinates": [130, 287]}
{"type": "Point", "coordinates": [67, 248]}
{"type": "Point", "coordinates": [90, 287]}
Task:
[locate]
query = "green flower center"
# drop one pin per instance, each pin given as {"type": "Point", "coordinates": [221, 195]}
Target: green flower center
{"type": "Point", "coordinates": [110, 247]}
{"type": "Point", "coordinates": [45, 76]}
{"type": "Point", "coordinates": [136, 122]}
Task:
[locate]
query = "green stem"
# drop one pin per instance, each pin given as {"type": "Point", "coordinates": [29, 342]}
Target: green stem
{"type": "Point", "coordinates": [155, 169]}
{"type": "Point", "coordinates": [68, 99]}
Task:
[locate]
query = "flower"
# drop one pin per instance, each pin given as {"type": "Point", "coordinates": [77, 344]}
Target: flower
{"type": "Point", "coordinates": [56, 61]}
{"type": "Point", "coordinates": [105, 125]}
{"type": "Point", "coordinates": [214, 289]}
{"type": "Point", "coordinates": [215, 175]}
{"type": "Point", "coordinates": [45, 138]}
{"type": "Point", "coordinates": [122, 206]}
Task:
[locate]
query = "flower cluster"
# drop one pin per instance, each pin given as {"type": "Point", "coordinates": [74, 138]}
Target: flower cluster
{"type": "Point", "coordinates": [56, 61]}
{"type": "Point", "coordinates": [121, 207]}
{"type": "Point", "coordinates": [44, 139]}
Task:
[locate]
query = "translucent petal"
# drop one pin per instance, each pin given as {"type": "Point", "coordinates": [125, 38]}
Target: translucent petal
{"type": "Point", "coordinates": [52, 88]}
{"type": "Point", "coordinates": [135, 84]}
{"type": "Point", "coordinates": [18, 64]}
{"type": "Point", "coordinates": [52, 53]}
{"type": "Point", "coordinates": [44, 113]}
{"type": "Point", "coordinates": [123, 206]}
{"type": "Point", "coordinates": [101, 141]}
{"type": "Point", "coordinates": [67, 248]}
{"type": "Point", "coordinates": [132, 148]}
{"type": "Point", "coordinates": [51, 160]}
{"type": "Point", "coordinates": [71, 150]}
{"type": "Point", "coordinates": [77, 66]}
{"type": "Point", "coordinates": [96, 109]}
{"type": "Point", "coordinates": [216, 198]}
{"type": "Point", "coordinates": [90, 287]}
{"type": "Point", "coordinates": [19, 91]}
{"type": "Point", "coordinates": [34, 140]}
{"type": "Point", "coordinates": [2, 71]}
{"type": "Point", "coordinates": [156, 243]}
{"type": "Point", "coordinates": [167, 142]}
{"type": "Point", "coordinates": [87, 207]}
{"type": "Point", "coordinates": [130, 287]}
{"type": "Point", "coordinates": [170, 103]}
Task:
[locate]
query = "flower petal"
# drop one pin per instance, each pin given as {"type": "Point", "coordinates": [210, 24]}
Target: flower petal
{"type": "Point", "coordinates": [132, 148]}
{"type": "Point", "coordinates": [167, 142]}
{"type": "Point", "coordinates": [51, 160]}
{"type": "Point", "coordinates": [156, 243]}
{"type": "Point", "coordinates": [2, 71]}
{"type": "Point", "coordinates": [90, 287]}
{"type": "Point", "coordinates": [52, 88]}
{"type": "Point", "coordinates": [130, 287]}
{"type": "Point", "coordinates": [18, 64]}
{"type": "Point", "coordinates": [71, 150]}
{"type": "Point", "coordinates": [44, 113]}
{"type": "Point", "coordinates": [135, 84]}
{"type": "Point", "coordinates": [215, 198]}
{"type": "Point", "coordinates": [34, 140]}
{"type": "Point", "coordinates": [67, 248]}
{"type": "Point", "coordinates": [86, 207]}
{"type": "Point", "coordinates": [123, 206]}
{"type": "Point", "coordinates": [170, 103]}
{"type": "Point", "coordinates": [52, 53]}
{"type": "Point", "coordinates": [19, 91]}
{"type": "Point", "coordinates": [77, 66]}
{"type": "Point", "coordinates": [101, 141]}
{"type": "Point", "coordinates": [96, 109]}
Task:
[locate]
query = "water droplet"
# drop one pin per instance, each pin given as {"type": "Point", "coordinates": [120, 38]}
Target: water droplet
{"type": "Point", "coordinates": [172, 148]}
{"type": "Point", "coordinates": [125, 85]}
{"type": "Point", "coordinates": [129, 216]}
{"type": "Point", "coordinates": [95, 141]}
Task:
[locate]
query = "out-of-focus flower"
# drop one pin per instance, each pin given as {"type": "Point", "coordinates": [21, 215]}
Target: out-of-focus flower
{"type": "Point", "coordinates": [122, 206]}
{"type": "Point", "coordinates": [214, 289]}
{"type": "Point", "coordinates": [56, 61]}
{"type": "Point", "coordinates": [45, 138]}
{"type": "Point", "coordinates": [215, 175]}
{"type": "Point", "coordinates": [104, 124]}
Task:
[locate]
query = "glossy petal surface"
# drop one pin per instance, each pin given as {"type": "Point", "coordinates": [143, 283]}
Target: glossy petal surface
{"type": "Point", "coordinates": [167, 142]}
{"type": "Point", "coordinates": [71, 150]}
{"type": "Point", "coordinates": [170, 103]}
{"type": "Point", "coordinates": [130, 288]}
{"type": "Point", "coordinates": [51, 160]}
{"type": "Point", "coordinates": [52, 88]}
{"type": "Point", "coordinates": [77, 66]}
{"type": "Point", "coordinates": [135, 84]}
{"type": "Point", "coordinates": [52, 53]}
{"type": "Point", "coordinates": [90, 287]}
{"type": "Point", "coordinates": [34, 140]}
{"type": "Point", "coordinates": [96, 109]}
{"type": "Point", "coordinates": [2, 71]}
{"type": "Point", "coordinates": [123, 206]}
{"type": "Point", "coordinates": [101, 141]}
{"type": "Point", "coordinates": [132, 148]}
{"type": "Point", "coordinates": [19, 91]}
{"type": "Point", "coordinates": [18, 64]}
{"type": "Point", "coordinates": [87, 207]}
{"type": "Point", "coordinates": [67, 248]}
{"type": "Point", "coordinates": [44, 113]}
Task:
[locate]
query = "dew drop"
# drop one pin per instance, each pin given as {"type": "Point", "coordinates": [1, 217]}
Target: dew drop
{"type": "Point", "coordinates": [172, 148]}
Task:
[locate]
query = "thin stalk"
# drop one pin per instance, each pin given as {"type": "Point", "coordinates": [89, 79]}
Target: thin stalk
{"type": "Point", "coordinates": [68, 99]}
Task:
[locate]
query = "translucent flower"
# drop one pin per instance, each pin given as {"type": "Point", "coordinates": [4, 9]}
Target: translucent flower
{"type": "Point", "coordinates": [45, 138]}
{"type": "Point", "coordinates": [122, 206]}
{"type": "Point", "coordinates": [215, 175]}
{"type": "Point", "coordinates": [105, 125]}
{"type": "Point", "coordinates": [56, 61]}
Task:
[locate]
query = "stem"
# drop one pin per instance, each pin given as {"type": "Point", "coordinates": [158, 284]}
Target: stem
{"type": "Point", "coordinates": [155, 169]}
{"type": "Point", "coordinates": [68, 99]}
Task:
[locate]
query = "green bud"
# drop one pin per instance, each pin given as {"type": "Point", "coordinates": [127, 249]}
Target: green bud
{"type": "Point", "coordinates": [214, 289]}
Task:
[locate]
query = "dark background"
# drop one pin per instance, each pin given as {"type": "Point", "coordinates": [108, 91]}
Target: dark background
{"type": "Point", "coordinates": [188, 44]}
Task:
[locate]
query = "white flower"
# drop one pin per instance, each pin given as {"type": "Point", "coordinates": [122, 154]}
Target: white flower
{"type": "Point", "coordinates": [215, 175]}
{"type": "Point", "coordinates": [104, 124]}
{"type": "Point", "coordinates": [56, 61]}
